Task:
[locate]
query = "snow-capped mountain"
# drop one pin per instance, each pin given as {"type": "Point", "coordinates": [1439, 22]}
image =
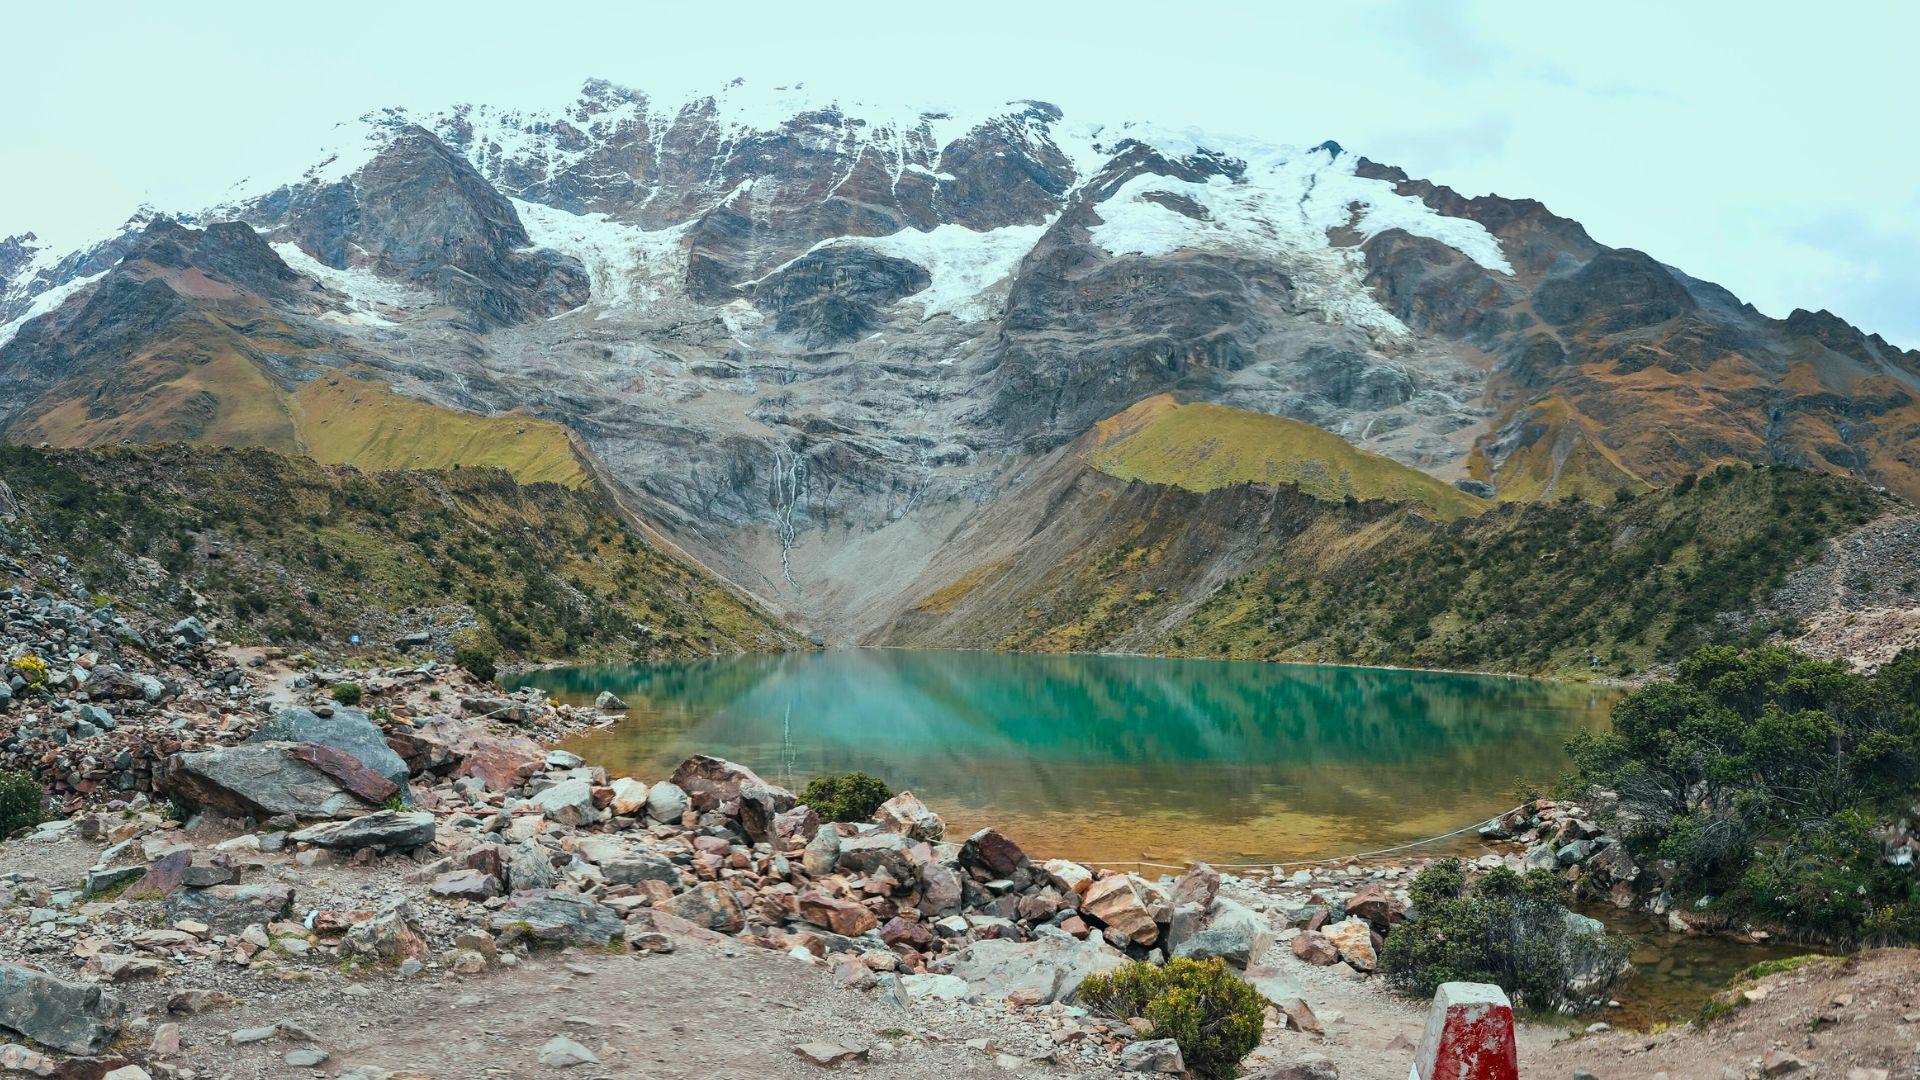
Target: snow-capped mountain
{"type": "Point", "coordinates": [809, 337]}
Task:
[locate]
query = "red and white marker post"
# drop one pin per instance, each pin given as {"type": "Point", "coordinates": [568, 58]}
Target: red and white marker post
{"type": "Point", "coordinates": [1469, 1036]}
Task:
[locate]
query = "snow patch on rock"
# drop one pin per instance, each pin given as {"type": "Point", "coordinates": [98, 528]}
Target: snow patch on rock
{"type": "Point", "coordinates": [1281, 208]}
{"type": "Point", "coordinates": [628, 266]}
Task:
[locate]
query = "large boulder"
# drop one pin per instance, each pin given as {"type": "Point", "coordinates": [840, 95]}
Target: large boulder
{"type": "Point", "coordinates": [666, 803]}
{"type": "Point", "coordinates": [1121, 904]}
{"type": "Point", "coordinates": [1048, 968]}
{"type": "Point", "coordinates": [908, 816]}
{"type": "Point", "coordinates": [258, 779]}
{"type": "Point", "coordinates": [1376, 904]}
{"type": "Point", "coordinates": [760, 806]}
{"type": "Point", "coordinates": [1354, 938]}
{"type": "Point", "coordinates": [384, 830]}
{"type": "Point", "coordinates": [843, 917]}
{"type": "Point", "coordinates": [1198, 886]}
{"type": "Point", "coordinates": [709, 905]}
{"type": "Point", "coordinates": [710, 781]}
{"type": "Point", "coordinates": [990, 852]}
{"type": "Point", "coordinates": [229, 909]}
{"type": "Point", "coordinates": [347, 730]}
{"type": "Point", "coordinates": [942, 891]}
{"type": "Point", "coordinates": [558, 919]}
{"type": "Point", "coordinates": [875, 851]}
{"type": "Point", "coordinates": [77, 1018]}
{"type": "Point", "coordinates": [629, 797]}
{"type": "Point", "coordinates": [569, 802]}
{"type": "Point", "coordinates": [1234, 933]}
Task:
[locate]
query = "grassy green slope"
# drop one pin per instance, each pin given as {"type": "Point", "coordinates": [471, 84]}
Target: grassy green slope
{"type": "Point", "coordinates": [294, 553]}
{"type": "Point", "coordinates": [1537, 588]}
{"type": "Point", "coordinates": [1202, 447]}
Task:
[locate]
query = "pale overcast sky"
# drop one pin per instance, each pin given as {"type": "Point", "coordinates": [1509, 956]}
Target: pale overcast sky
{"type": "Point", "coordinates": [1764, 145]}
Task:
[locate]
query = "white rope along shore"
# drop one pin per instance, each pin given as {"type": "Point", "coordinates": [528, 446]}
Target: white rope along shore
{"type": "Point", "coordinates": [1306, 862]}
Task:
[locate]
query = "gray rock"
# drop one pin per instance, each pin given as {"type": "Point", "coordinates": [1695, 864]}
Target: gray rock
{"type": "Point", "coordinates": [257, 779]}
{"type": "Point", "coordinates": [666, 803]}
{"type": "Point", "coordinates": [190, 630]}
{"type": "Point", "coordinates": [306, 1059]}
{"type": "Point", "coordinates": [822, 853]}
{"type": "Point", "coordinates": [569, 802]}
{"type": "Point", "coordinates": [1153, 1056]}
{"type": "Point", "coordinates": [347, 730]}
{"type": "Point", "coordinates": [528, 867]}
{"type": "Point", "coordinates": [1234, 933]}
{"type": "Point", "coordinates": [608, 701]}
{"type": "Point", "coordinates": [561, 1052]}
{"type": "Point", "coordinates": [385, 830]}
{"type": "Point", "coordinates": [557, 919]}
{"type": "Point", "coordinates": [1050, 967]}
{"type": "Point", "coordinates": [229, 909]}
{"type": "Point", "coordinates": [633, 868]}
{"type": "Point", "coordinates": [877, 851]}
{"type": "Point", "coordinates": [466, 885]}
{"type": "Point", "coordinates": [74, 1017]}
{"type": "Point", "coordinates": [1573, 853]}
{"type": "Point", "coordinates": [104, 878]}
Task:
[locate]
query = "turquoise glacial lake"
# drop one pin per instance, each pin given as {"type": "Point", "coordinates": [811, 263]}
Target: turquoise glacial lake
{"type": "Point", "coordinates": [1112, 758]}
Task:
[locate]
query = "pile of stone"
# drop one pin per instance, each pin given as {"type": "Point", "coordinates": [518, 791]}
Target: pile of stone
{"type": "Point", "coordinates": [93, 702]}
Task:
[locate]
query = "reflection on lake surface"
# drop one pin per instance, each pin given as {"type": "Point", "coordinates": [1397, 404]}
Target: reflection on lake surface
{"type": "Point", "coordinates": [1111, 758]}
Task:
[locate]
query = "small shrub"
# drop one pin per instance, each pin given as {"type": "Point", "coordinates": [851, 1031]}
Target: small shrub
{"type": "Point", "coordinates": [1513, 931]}
{"type": "Point", "coordinates": [850, 796]}
{"type": "Point", "coordinates": [478, 660]}
{"type": "Point", "coordinates": [1215, 1016]}
{"type": "Point", "coordinates": [1122, 993]}
{"type": "Point", "coordinates": [346, 693]}
{"type": "Point", "coordinates": [31, 668]}
{"type": "Point", "coordinates": [22, 803]}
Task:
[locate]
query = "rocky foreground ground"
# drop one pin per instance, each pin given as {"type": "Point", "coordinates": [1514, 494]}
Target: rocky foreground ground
{"type": "Point", "coordinates": [247, 878]}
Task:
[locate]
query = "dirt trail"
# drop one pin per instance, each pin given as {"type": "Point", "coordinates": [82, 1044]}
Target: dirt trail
{"type": "Point", "coordinates": [1856, 1018]}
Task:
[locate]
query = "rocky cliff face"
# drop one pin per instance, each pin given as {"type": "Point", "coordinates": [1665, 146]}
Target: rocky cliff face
{"type": "Point", "coordinates": [809, 337]}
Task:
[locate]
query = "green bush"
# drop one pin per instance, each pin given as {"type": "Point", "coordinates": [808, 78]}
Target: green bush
{"type": "Point", "coordinates": [1513, 931]}
{"type": "Point", "coordinates": [21, 802]}
{"type": "Point", "coordinates": [478, 660]}
{"type": "Point", "coordinates": [850, 796]}
{"type": "Point", "coordinates": [1760, 775]}
{"type": "Point", "coordinates": [346, 693]}
{"type": "Point", "coordinates": [1215, 1016]}
{"type": "Point", "coordinates": [1122, 993]}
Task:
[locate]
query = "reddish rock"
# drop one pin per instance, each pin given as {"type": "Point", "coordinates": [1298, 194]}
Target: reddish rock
{"type": "Point", "coordinates": [990, 851]}
{"type": "Point", "coordinates": [1198, 886]}
{"type": "Point", "coordinates": [1378, 906]}
{"type": "Point", "coordinates": [1038, 907]}
{"type": "Point", "coordinates": [1118, 902]}
{"type": "Point", "coordinates": [710, 905]}
{"type": "Point", "coordinates": [347, 771]}
{"type": "Point", "coordinates": [502, 763]}
{"type": "Point", "coordinates": [1313, 947]}
{"type": "Point", "coordinates": [899, 931]}
{"type": "Point", "coordinates": [843, 917]}
{"type": "Point", "coordinates": [710, 781]}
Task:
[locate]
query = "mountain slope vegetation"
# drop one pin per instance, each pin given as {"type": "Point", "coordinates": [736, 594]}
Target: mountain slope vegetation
{"type": "Point", "coordinates": [1257, 572]}
{"type": "Point", "coordinates": [1202, 446]}
{"type": "Point", "coordinates": [286, 551]}
{"type": "Point", "coordinates": [1545, 587]}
